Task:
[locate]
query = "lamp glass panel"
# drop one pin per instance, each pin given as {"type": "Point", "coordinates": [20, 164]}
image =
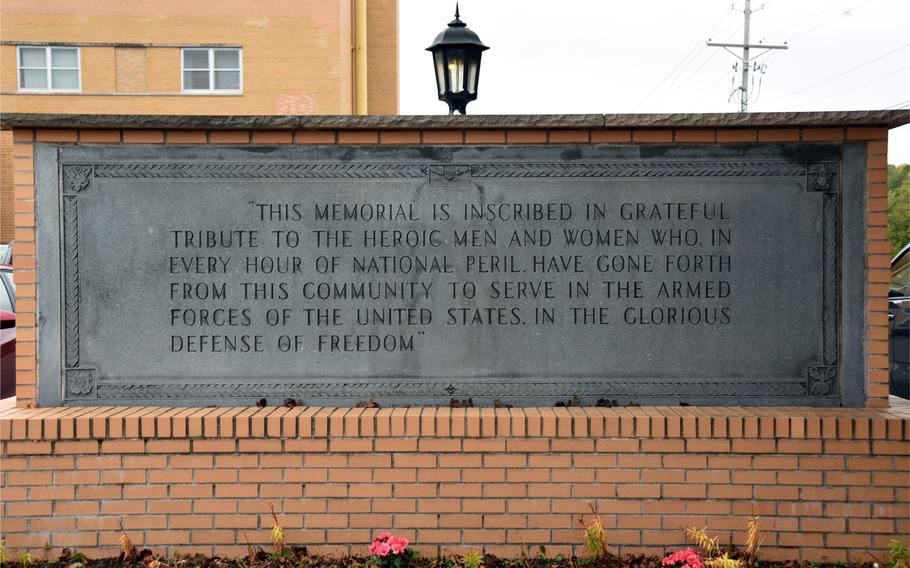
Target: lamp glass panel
{"type": "Point", "coordinates": [440, 71]}
{"type": "Point", "coordinates": [455, 69]}
{"type": "Point", "coordinates": [473, 66]}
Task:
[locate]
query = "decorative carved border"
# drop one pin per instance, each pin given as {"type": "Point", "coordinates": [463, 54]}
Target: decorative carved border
{"type": "Point", "coordinates": [820, 379]}
{"type": "Point", "coordinates": [660, 169]}
{"type": "Point", "coordinates": [493, 388]}
{"type": "Point", "coordinates": [259, 171]}
{"type": "Point", "coordinates": [441, 173]}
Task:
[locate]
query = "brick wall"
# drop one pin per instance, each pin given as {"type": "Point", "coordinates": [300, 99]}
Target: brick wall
{"type": "Point", "coordinates": [827, 484]}
{"type": "Point", "coordinates": [7, 228]}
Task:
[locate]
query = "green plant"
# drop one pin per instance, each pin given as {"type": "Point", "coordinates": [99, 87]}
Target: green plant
{"type": "Point", "coordinates": [595, 535]}
{"type": "Point", "coordinates": [700, 537]}
{"type": "Point", "coordinates": [277, 536]}
{"type": "Point", "coordinates": [723, 561]}
{"type": "Point", "coordinates": [472, 559]}
{"type": "Point", "coordinates": [542, 556]}
{"type": "Point", "coordinates": [4, 555]}
{"type": "Point", "coordinates": [25, 559]}
{"type": "Point", "coordinates": [899, 554]}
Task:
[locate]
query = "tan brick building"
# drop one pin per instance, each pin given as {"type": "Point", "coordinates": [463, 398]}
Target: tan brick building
{"type": "Point", "coordinates": [212, 57]}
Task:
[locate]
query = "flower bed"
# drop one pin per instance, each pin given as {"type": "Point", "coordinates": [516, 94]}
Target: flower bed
{"type": "Point", "coordinates": [298, 557]}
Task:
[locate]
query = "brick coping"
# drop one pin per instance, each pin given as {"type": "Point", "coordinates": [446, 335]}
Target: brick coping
{"type": "Point", "coordinates": [572, 422]}
{"type": "Point", "coordinates": [880, 118]}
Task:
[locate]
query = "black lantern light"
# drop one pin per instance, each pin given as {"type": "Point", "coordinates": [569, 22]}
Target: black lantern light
{"type": "Point", "coordinates": [456, 59]}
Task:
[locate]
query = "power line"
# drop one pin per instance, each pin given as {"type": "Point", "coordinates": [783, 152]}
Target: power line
{"type": "Point", "coordinates": [841, 74]}
{"type": "Point", "coordinates": [687, 59]}
{"type": "Point", "coordinates": [899, 105]}
{"type": "Point", "coordinates": [809, 19]}
{"type": "Point", "coordinates": [844, 13]}
{"type": "Point", "coordinates": [879, 78]}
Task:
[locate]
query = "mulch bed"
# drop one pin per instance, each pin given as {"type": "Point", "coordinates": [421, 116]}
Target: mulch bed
{"type": "Point", "coordinates": [298, 558]}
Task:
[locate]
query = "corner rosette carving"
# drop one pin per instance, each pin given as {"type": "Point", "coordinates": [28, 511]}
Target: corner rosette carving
{"type": "Point", "coordinates": [822, 177]}
{"type": "Point", "coordinates": [80, 382]}
{"type": "Point", "coordinates": [76, 179]}
{"type": "Point", "coordinates": [822, 380]}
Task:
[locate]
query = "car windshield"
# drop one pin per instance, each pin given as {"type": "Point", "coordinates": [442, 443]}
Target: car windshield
{"type": "Point", "coordinates": [6, 302]}
{"type": "Point", "coordinates": [900, 277]}
{"type": "Point", "coordinates": [6, 253]}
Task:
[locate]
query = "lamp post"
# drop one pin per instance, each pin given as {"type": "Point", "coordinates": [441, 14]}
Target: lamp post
{"type": "Point", "coordinates": [456, 60]}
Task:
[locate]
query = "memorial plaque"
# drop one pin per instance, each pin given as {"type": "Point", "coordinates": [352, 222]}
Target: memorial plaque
{"type": "Point", "coordinates": [723, 275]}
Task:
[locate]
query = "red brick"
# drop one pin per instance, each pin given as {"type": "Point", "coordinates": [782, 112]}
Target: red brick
{"type": "Point", "coordinates": [778, 135]}
{"type": "Point", "coordinates": [867, 133]}
{"type": "Point", "coordinates": [229, 137]}
{"type": "Point", "coordinates": [736, 135]}
{"type": "Point", "coordinates": [400, 137]}
{"type": "Point", "coordinates": [273, 137]}
{"type": "Point", "coordinates": [358, 137]}
{"type": "Point", "coordinates": [186, 137]}
{"type": "Point", "coordinates": [143, 136]}
{"type": "Point", "coordinates": [611, 136]}
{"type": "Point", "coordinates": [526, 136]}
{"type": "Point", "coordinates": [315, 137]}
{"type": "Point", "coordinates": [820, 134]}
{"type": "Point", "coordinates": [652, 135]}
{"type": "Point", "coordinates": [443, 136]}
{"type": "Point", "coordinates": [483, 137]}
{"type": "Point", "coordinates": [694, 135]}
{"type": "Point", "coordinates": [560, 136]}
{"type": "Point", "coordinates": [55, 135]}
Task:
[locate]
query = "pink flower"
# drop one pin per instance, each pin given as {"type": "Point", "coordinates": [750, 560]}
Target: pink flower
{"type": "Point", "coordinates": [385, 535]}
{"type": "Point", "coordinates": [383, 549]}
{"type": "Point", "coordinates": [687, 558]}
{"type": "Point", "coordinates": [398, 544]}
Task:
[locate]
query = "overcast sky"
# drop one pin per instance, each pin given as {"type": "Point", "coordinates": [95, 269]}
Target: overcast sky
{"type": "Point", "coordinates": [610, 56]}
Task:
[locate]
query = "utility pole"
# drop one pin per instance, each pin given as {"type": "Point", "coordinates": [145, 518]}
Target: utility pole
{"type": "Point", "coordinates": [745, 45]}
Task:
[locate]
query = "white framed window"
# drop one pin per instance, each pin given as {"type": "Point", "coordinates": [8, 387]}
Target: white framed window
{"type": "Point", "coordinates": [211, 69]}
{"type": "Point", "coordinates": [49, 69]}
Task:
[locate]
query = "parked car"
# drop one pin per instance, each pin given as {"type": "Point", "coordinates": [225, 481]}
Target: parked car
{"type": "Point", "coordinates": [899, 323]}
{"type": "Point", "coordinates": [7, 333]}
{"type": "Point", "coordinates": [6, 253]}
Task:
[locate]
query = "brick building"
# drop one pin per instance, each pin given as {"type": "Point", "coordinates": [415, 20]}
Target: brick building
{"type": "Point", "coordinates": [225, 57]}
